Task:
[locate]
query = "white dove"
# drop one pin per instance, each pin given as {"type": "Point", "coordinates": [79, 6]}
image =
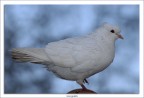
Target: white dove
{"type": "Point", "coordinates": [75, 58]}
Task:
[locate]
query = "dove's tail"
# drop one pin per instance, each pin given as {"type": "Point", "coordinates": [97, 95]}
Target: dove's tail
{"type": "Point", "coordinates": [33, 55]}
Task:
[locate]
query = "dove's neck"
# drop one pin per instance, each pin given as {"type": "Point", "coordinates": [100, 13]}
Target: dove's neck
{"type": "Point", "coordinates": [106, 41]}
{"type": "Point", "coordinates": [103, 36]}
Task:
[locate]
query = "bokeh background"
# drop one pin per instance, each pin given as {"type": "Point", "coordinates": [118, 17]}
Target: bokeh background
{"type": "Point", "coordinates": [37, 25]}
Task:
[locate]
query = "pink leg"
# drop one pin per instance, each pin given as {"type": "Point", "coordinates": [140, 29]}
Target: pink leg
{"type": "Point", "coordinates": [83, 87]}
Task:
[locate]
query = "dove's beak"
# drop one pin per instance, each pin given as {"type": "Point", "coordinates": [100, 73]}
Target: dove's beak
{"type": "Point", "coordinates": [119, 36]}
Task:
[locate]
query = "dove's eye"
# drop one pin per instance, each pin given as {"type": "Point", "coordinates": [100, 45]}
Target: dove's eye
{"type": "Point", "coordinates": [112, 31]}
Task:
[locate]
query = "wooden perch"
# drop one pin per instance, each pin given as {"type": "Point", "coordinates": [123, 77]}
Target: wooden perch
{"type": "Point", "coordinates": [81, 91]}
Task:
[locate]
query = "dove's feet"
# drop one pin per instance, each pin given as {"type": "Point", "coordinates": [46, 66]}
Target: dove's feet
{"type": "Point", "coordinates": [85, 81]}
{"type": "Point", "coordinates": [83, 87]}
{"type": "Point", "coordinates": [81, 82]}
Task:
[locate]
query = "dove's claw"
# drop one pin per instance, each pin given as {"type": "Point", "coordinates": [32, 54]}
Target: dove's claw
{"type": "Point", "coordinates": [85, 81]}
{"type": "Point", "coordinates": [83, 87]}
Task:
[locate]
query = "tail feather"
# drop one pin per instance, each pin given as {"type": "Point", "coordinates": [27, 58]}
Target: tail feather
{"type": "Point", "coordinates": [34, 55]}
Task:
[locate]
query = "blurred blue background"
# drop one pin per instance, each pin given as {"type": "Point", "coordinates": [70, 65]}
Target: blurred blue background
{"type": "Point", "coordinates": [37, 25]}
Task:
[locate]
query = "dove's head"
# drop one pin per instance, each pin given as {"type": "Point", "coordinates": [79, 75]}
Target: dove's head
{"type": "Point", "coordinates": [112, 31]}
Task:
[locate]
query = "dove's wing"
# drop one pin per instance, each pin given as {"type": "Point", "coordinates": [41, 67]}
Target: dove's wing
{"type": "Point", "coordinates": [73, 52]}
